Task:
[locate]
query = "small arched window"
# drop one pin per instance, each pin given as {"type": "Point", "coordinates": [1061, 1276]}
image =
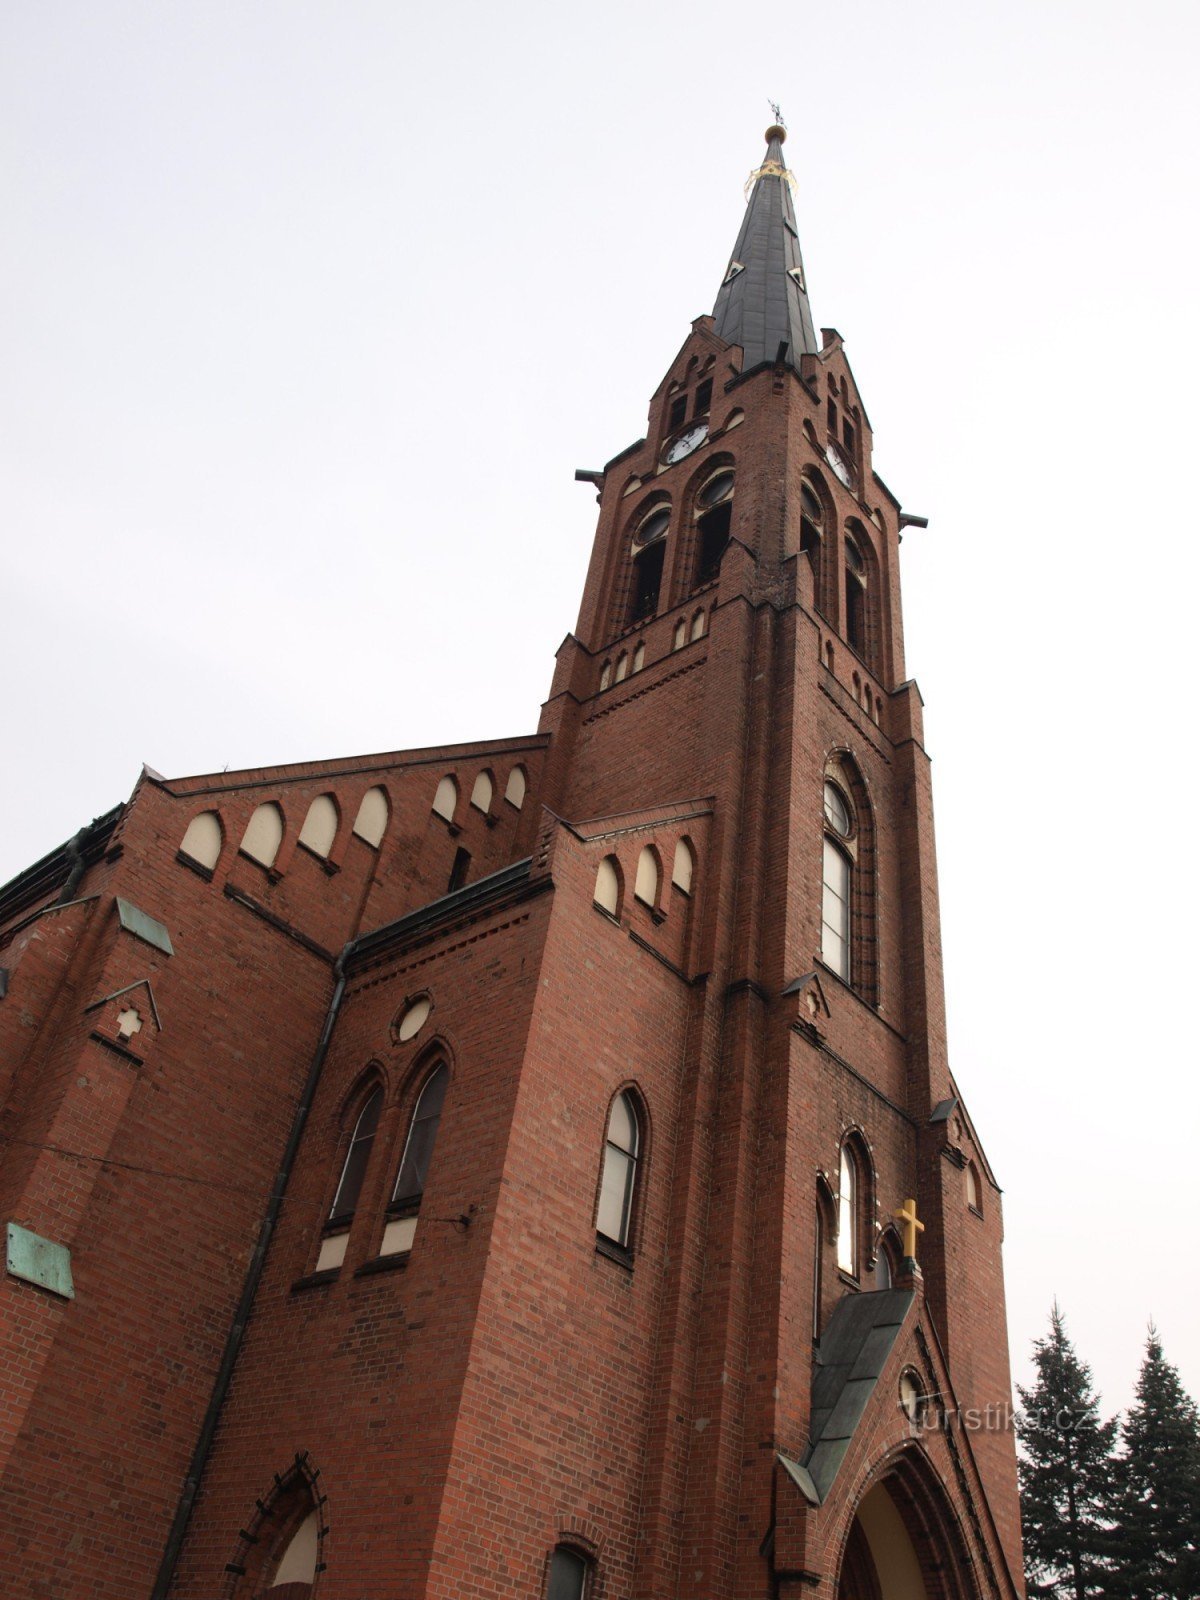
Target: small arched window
{"type": "Point", "coordinates": [202, 841]}
{"type": "Point", "coordinates": [681, 634]}
{"type": "Point", "coordinates": [401, 1227]}
{"type": "Point", "coordinates": [320, 826]}
{"type": "Point", "coordinates": [354, 1167]}
{"type": "Point", "coordinates": [683, 866]}
{"type": "Point", "coordinates": [446, 799]}
{"type": "Point", "coordinates": [835, 897]}
{"type": "Point", "coordinates": [622, 668]}
{"type": "Point", "coordinates": [618, 1180]}
{"type": "Point", "coordinates": [607, 894]}
{"type": "Point", "coordinates": [847, 1245]}
{"type": "Point", "coordinates": [372, 819]}
{"type": "Point", "coordinates": [645, 886]}
{"type": "Point", "coordinates": [264, 834]}
{"type": "Point", "coordinates": [606, 675]}
{"type": "Point", "coordinates": [514, 789]}
{"type": "Point", "coordinates": [639, 659]}
{"type": "Point", "coordinates": [481, 793]}
{"type": "Point", "coordinates": [885, 1265]}
{"type": "Point", "coordinates": [974, 1191]}
{"type": "Point", "coordinates": [568, 1575]}
{"type": "Point", "coordinates": [698, 625]}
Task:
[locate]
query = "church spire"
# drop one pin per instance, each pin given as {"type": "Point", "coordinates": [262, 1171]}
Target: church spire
{"type": "Point", "coordinates": [763, 301]}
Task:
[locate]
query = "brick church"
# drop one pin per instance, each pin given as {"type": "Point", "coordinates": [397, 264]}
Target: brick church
{"type": "Point", "coordinates": [532, 1168]}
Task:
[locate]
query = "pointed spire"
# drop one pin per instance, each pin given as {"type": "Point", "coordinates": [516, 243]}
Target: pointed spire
{"type": "Point", "coordinates": [764, 299]}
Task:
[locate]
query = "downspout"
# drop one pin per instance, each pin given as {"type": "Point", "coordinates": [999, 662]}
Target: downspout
{"type": "Point", "coordinates": [254, 1272]}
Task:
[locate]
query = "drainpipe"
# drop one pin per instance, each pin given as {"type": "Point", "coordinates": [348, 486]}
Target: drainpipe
{"type": "Point", "coordinates": [254, 1272]}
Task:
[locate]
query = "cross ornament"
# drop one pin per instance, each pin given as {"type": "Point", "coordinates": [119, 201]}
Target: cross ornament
{"type": "Point", "coordinates": [907, 1214]}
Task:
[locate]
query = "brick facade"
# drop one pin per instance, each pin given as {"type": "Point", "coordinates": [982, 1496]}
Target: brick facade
{"type": "Point", "coordinates": [437, 1419]}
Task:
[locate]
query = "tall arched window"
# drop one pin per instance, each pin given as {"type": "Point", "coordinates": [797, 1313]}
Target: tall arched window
{"type": "Point", "coordinates": [354, 1167]}
{"type": "Point", "coordinates": [618, 1180]}
{"type": "Point", "coordinates": [856, 597]}
{"type": "Point", "coordinates": [714, 513]}
{"type": "Point", "coordinates": [835, 895]}
{"type": "Point", "coordinates": [847, 1244]}
{"type": "Point", "coordinates": [649, 554]}
{"type": "Point", "coordinates": [401, 1227]}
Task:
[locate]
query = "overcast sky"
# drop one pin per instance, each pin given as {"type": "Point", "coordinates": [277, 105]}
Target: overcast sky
{"type": "Point", "coordinates": [310, 311]}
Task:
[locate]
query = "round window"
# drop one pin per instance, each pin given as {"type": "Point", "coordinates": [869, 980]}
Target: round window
{"type": "Point", "coordinates": [716, 490]}
{"type": "Point", "coordinates": [412, 1020]}
{"type": "Point", "coordinates": [912, 1396]}
{"type": "Point", "coordinates": [655, 525]}
{"type": "Point", "coordinates": [837, 812]}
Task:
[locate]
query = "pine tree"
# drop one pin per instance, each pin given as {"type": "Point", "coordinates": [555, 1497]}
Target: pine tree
{"type": "Point", "coordinates": [1158, 1475]}
{"type": "Point", "coordinates": [1066, 1474]}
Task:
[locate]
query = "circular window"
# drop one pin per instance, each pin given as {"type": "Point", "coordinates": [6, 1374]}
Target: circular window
{"type": "Point", "coordinates": [655, 525]}
{"type": "Point", "coordinates": [837, 812]}
{"type": "Point", "coordinates": [413, 1018]}
{"type": "Point", "coordinates": [912, 1396]}
{"type": "Point", "coordinates": [716, 490]}
{"type": "Point", "coordinates": [810, 505]}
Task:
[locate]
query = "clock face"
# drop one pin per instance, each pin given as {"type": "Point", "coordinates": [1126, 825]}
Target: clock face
{"type": "Point", "coordinates": [687, 442]}
{"type": "Point", "coordinates": [839, 464]}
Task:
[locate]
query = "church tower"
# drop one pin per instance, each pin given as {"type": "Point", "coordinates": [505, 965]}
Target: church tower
{"type": "Point", "coordinates": [629, 1238]}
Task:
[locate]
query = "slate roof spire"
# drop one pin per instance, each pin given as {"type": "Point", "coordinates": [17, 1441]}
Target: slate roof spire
{"type": "Point", "coordinates": [764, 300]}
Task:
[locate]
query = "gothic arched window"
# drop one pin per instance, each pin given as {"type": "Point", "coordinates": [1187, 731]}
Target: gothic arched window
{"type": "Point", "coordinates": [847, 1241]}
{"type": "Point", "coordinates": [848, 943]}
{"type": "Point", "coordinates": [618, 1179]}
{"type": "Point", "coordinates": [649, 554]}
{"type": "Point", "coordinates": [836, 874]}
{"type": "Point", "coordinates": [401, 1227]}
{"type": "Point", "coordinates": [714, 512]}
{"type": "Point", "coordinates": [856, 597]}
{"type": "Point", "coordinates": [354, 1167]}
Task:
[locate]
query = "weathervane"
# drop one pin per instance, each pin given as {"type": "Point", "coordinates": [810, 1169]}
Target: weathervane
{"type": "Point", "coordinates": [776, 113]}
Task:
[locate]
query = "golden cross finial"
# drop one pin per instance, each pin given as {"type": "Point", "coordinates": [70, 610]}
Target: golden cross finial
{"type": "Point", "coordinates": [907, 1214]}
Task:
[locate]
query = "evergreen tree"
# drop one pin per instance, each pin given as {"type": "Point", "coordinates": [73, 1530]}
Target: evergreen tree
{"type": "Point", "coordinates": [1158, 1503]}
{"type": "Point", "coordinates": [1066, 1474]}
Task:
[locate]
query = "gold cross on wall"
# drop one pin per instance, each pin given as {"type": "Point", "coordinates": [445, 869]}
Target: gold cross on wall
{"type": "Point", "coordinates": [907, 1214]}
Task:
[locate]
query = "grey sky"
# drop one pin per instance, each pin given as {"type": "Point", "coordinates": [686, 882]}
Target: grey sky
{"type": "Point", "coordinates": [310, 311]}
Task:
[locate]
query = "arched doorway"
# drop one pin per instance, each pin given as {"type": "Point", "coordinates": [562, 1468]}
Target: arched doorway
{"type": "Point", "coordinates": [904, 1542]}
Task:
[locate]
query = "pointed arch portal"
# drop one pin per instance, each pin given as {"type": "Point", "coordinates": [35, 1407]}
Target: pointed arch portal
{"type": "Point", "coordinates": [904, 1543]}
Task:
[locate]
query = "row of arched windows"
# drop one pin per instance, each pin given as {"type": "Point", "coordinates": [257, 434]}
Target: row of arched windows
{"type": "Point", "coordinates": [854, 552]}
{"type": "Point", "coordinates": [621, 1159]}
{"type": "Point", "coordinates": [648, 879]}
{"type": "Point", "coordinates": [483, 792]}
{"type": "Point", "coordinates": [706, 531]}
{"type": "Point", "coordinates": [633, 660]}
{"type": "Point", "coordinates": [204, 837]}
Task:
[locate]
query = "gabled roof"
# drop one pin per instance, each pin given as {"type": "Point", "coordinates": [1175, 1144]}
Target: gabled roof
{"type": "Point", "coordinates": [854, 1350]}
{"type": "Point", "coordinates": [763, 301]}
